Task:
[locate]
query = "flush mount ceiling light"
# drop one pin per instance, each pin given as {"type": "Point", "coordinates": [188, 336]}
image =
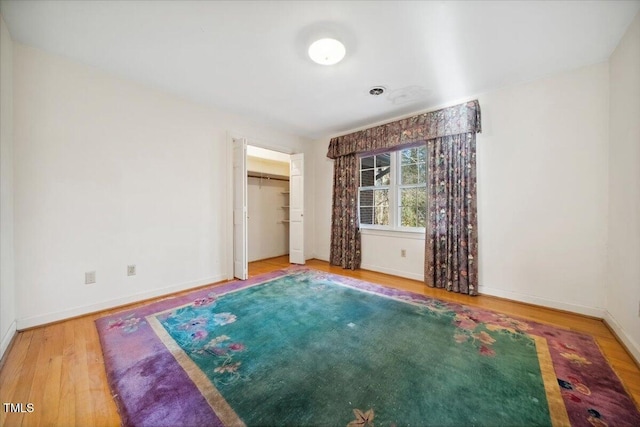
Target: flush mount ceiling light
{"type": "Point", "coordinates": [327, 51]}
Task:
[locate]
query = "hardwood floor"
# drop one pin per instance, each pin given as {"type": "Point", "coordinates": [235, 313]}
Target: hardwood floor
{"type": "Point", "coordinates": [59, 367]}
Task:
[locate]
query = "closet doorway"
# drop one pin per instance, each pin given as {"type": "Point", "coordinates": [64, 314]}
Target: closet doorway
{"type": "Point", "coordinates": [268, 227]}
{"type": "Point", "coordinates": [266, 206]}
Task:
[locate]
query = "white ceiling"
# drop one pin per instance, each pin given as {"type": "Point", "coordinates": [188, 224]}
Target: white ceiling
{"type": "Point", "coordinates": [250, 57]}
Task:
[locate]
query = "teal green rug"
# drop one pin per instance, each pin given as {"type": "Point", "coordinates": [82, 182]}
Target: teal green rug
{"type": "Point", "coordinates": [309, 348]}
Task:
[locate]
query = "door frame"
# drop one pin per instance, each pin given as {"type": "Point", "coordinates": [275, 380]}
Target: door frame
{"type": "Point", "coordinates": [296, 209]}
{"type": "Point", "coordinates": [230, 188]}
{"type": "Point", "coordinates": [240, 212]}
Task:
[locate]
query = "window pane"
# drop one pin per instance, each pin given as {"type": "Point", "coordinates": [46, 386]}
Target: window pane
{"type": "Point", "coordinates": [422, 218]}
{"type": "Point", "coordinates": [407, 217]}
{"type": "Point", "coordinates": [421, 198]}
{"type": "Point", "coordinates": [367, 162]}
{"type": "Point", "coordinates": [411, 218]}
{"type": "Point", "coordinates": [383, 176]}
{"type": "Point", "coordinates": [422, 173]}
{"type": "Point", "coordinates": [383, 160]}
{"type": "Point", "coordinates": [408, 207]}
{"type": "Point", "coordinates": [382, 216]}
{"type": "Point", "coordinates": [408, 156]}
{"type": "Point", "coordinates": [382, 198]}
{"type": "Point", "coordinates": [366, 197]}
{"type": "Point", "coordinates": [413, 204]}
{"type": "Point", "coordinates": [421, 207]}
{"type": "Point", "coordinates": [367, 178]}
{"type": "Point", "coordinates": [407, 197]}
{"type": "Point", "coordinates": [381, 212]}
{"type": "Point", "coordinates": [422, 154]}
{"type": "Point", "coordinates": [409, 174]}
{"type": "Point", "coordinates": [366, 215]}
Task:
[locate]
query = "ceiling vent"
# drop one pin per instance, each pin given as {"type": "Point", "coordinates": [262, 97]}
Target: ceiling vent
{"type": "Point", "coordinates": [377, 90]}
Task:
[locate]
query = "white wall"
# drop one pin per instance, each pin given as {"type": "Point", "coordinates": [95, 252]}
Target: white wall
{"type": "Point", "coordinates": [542, 191]}
{"type": "Point", "coordinates": [268, 235]}
{"type": "Point", "coordinates": [324, 193]}
{"type": "Point", "coordinates": [108, 173]}
{"type": "Point", "coordinates": [623, 273]}
{"type": "Point", "coordinates": [542, 195]}
{"type": "Point", "coordinates": [381, 251]}
{"type": "Point", "coordinates": [7, 283]}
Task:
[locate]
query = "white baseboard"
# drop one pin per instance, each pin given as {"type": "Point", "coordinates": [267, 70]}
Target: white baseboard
{"type": "Point", "coordinates": [544, 302]}
{"type": "Point", "coordinates": [30, 322]}
{"type": "Point", "coordinates": [399, 273]}
{"type": "Point", "coordinates": [6, 339]}
{"type": "Point", "coordinates": [632, 346]}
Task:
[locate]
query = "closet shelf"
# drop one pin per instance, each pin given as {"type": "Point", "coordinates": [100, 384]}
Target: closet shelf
{"type": "Point", "coordinates": [267, 176]}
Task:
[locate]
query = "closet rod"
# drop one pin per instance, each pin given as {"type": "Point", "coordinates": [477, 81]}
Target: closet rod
{"type": "Point", "coordinates": [267, 177]}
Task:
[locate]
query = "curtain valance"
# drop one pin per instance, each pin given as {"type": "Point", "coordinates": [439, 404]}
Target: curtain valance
{"type": "Point", "coordinates": [448, 121]}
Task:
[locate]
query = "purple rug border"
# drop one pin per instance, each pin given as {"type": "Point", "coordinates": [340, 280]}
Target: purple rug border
{"type": "Point", "coordinates": [222, 288]}
{"type": "Point", "coordinates": [163, 304]}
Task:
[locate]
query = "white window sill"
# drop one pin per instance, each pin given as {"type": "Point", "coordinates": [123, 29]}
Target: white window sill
{"type": "Point", "coordinates": [401, 234]}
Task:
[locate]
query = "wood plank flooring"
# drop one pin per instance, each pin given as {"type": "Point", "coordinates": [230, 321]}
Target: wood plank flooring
{"type": "Point", "coordinates": [59, 367]}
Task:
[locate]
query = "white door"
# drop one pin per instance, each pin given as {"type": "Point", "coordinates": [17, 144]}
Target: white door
{"type": "Point", "coordinates": [240, 258]}
{"type": "Point", "coordinates": [296, 210]}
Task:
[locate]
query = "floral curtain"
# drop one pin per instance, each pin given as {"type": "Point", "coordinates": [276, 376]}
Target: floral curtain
{"type": "Point", "coordinates": [345, 230]}
{"type": "Point", "coordinates": [451, 240]}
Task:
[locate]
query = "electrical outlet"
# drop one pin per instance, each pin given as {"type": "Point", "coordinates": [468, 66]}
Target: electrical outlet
{"type": "Point", "coordinates": [89, 277]}
{"type": "Point", "coordinates": [403, 253]}
{"type": "Point", "coordinates": [131, 270]}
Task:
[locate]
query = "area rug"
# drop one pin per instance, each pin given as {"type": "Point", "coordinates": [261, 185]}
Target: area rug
{"type": "Point", "coordinates": [302, 347]}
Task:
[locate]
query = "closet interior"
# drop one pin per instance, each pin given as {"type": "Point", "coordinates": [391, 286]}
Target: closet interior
{"type": "Point", "coordinates": [267, 203]}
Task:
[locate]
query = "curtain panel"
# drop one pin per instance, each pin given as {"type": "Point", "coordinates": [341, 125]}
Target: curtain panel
{"type": "Point", "coordinates": [451, 241]}
{"type": "Point", "coordinates": [345, 229]}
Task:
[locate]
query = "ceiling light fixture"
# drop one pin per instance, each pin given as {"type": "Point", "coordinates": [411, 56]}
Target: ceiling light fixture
{"type": "Point", "coordinates": [327, 51]}
{"type": "Point", "coordinates": [376, 90]}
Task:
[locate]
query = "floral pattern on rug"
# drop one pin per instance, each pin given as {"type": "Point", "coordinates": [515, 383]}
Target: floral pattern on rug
{"type": "Point", "coordinates": [470, 326]}
{"type": "Point", "coordinates": [198, 329]}
{"type": "Point", "coordinates": [363, 419]}
{"type": "Point", "coordinates": [126, 324]}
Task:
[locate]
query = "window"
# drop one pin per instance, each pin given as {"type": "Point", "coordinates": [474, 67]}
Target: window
{"type": "Point", "coordinates": [393, 190]}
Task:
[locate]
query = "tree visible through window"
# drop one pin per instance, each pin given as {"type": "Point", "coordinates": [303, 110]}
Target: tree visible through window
{"type": "Point", "coordinates": [412, 187]}
{"type": "Point", "coordinates": [393, 189]}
